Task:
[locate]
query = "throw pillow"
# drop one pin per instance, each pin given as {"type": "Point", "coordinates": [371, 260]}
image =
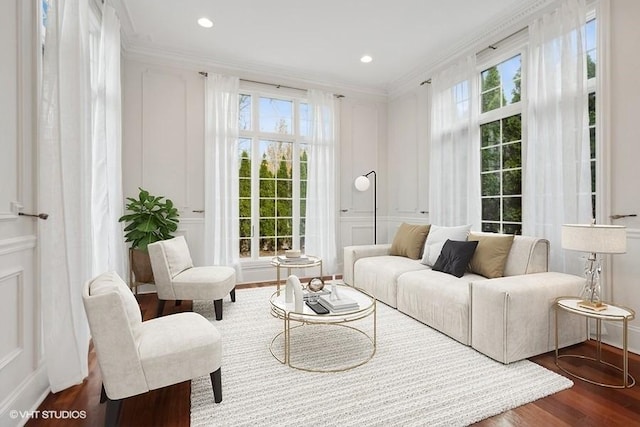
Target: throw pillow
{"type": "Point", "coordinates": [409, 240]}
{"type": "Point", "coordinates": [491, 255]}
{"type": "Point", "coordinates": [454, 257]}
{"type": "Point", "coordinates": [436, 238]}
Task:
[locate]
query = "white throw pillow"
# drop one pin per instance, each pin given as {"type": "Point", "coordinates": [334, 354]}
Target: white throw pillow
{"type": "Point", "coordinates": [436, 239]}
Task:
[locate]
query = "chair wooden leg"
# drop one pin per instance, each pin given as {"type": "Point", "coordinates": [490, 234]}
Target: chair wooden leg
{"type": "Point", "coordinates": [178, 302]}
{"type": "Point", "coordinates": [233, 295]}
{"type": "Point", "coordinates": [160, 307]}
{"type": "Point", "coordinates": [217, 306]}
{"type": "Point", "coordinates": [216, 383]}
{"type": "Point", "coordinates": [112, 413]}
{"type": "Point", "coordinates": [103, 395]}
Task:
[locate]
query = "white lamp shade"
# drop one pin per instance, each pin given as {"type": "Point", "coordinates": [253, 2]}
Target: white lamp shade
{"type": "Point", "coordinates": [362, 183]}
{"type": "Point", "coordinates": [596, 238]}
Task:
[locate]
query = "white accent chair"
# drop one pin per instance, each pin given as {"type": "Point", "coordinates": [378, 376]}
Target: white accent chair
{"type": "Point", "coordinates": [177, 279]}
{"type": "Point", "coordinates": [136, 356]}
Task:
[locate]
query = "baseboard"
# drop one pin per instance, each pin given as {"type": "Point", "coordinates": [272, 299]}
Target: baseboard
{"type": "Point", "coordinates": [26, 398]}
{"type": "Point", "coordinates": [612, 335]}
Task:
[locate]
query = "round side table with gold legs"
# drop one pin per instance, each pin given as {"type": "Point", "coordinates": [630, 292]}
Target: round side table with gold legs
{"type": "Point", "coordinates": [613, 313]}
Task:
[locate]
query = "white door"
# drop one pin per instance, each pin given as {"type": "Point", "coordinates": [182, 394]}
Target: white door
{"type": "Point", "coordinates": [23, 380]}
{"type": "Point", "coordinates": [624, 159]}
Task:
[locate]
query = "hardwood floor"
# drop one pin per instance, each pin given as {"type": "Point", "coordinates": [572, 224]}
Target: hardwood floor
{"type": "Point", "coordinates": [584, 404]}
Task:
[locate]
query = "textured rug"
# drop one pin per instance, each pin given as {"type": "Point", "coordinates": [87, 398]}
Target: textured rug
{"type": "Point", "coordinates": [417, 377]}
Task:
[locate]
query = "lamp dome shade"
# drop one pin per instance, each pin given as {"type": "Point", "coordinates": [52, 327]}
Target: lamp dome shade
{"type": "Point", "coordinates": [597, 238]}
{"type": "Point", "coordinates": [362, 183]}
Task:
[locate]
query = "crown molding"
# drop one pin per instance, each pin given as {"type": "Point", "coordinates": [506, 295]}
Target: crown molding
{"type": "Point", "coordinates": [145, 50]}
{"type": "Point", "coordinates": [510, 21]}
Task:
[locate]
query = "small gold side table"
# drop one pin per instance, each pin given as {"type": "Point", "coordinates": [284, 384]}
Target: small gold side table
{"type": "Point", "coordinates": [613, 313]}
{"type": "Point", "coordinates": [310, 261]}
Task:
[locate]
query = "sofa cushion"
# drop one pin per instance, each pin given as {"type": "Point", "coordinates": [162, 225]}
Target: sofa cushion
{"type": "Point", "coordinates": [409, 240]}
{"type": "Point", "coordinates": [440, 300]}
{"type": "Point", "coordinates": [491, 254]}
{"type": "Point", "coordinates": [379, 275]}
{"type": "Point", "coordinates": [436, 239]}
{"type": "Point", "coordinates": [455, 257]}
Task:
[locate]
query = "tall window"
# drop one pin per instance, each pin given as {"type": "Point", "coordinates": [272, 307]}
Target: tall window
{"type": "Point", "coordinates": [501, 147]}
{"type": "Point", "coordinates": [273, 152]}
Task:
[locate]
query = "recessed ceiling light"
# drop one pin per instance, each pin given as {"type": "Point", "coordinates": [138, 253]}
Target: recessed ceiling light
{"type": "Point", "coordinates": [366, 59]}
{"type": "Point", "coordinates": [205, 22]}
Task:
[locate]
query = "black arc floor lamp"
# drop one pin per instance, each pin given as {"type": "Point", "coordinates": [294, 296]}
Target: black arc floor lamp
{"type": "Point", "coordinates": [362, 183]}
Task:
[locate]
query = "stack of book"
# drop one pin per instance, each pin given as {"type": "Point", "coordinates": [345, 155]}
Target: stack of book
{"type": "Point", "coordinates": [338, 305]}
{"type": "Point", "coordinates": [314, 295]}
{"type": "Point", "coordinates": [302, 259]}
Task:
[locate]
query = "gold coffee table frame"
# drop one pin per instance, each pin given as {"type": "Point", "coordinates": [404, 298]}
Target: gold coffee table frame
{"type": "Point", "coordinates": [284, 311]}
{"type": "Point", "coordinates": [313, 261]}
{"type": "Point", "coordinates": [611, 313]}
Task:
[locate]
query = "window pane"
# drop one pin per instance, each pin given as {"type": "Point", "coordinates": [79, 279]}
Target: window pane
{"type": "Point", "coordinates": [511, 156]}
{"type": "Point", "coordinates": [592, 109]}
{"type": "Point", "coordinates": [490, 159]}
{"type": "Point", "coordinates": [244, 113]}
{"type": "Point", "coordinates": [491, 209]}
{"type": "Point", "coordinates": [245, 228]}
{"type": "Point", "coordinates": [501, 84]}
{"type": "Point", "coordinates": [284, 227]}
{"type": "Point", "coordinates": [267, 246]}
{"type": "Point", "coordinates": [276, 115]}
{"type": "Point", "coordinates": [490, 133]}
{"type": "Point", "coordinates": [283, 245]}
{"type": "Point", "coordinates": [512, 209]}
{"type": "Point", "coordinates": [512, 229]}
{"type": "Point", "coordinates": [267, 227]}
{"type": "Point", "coordinates": [590, 46]}
{"type": "Point", "coordinates": [245, 187]}
{"type": "Point", "coordinates": [491, 227]}
{"type": "Point", "coordinates": [245, 248]}
{"type": "Point", "coordinates": [512, 128]}
{"type": "Point", "coordinates": [267, 208]}
{"type": "Point", "coordinates": [284, 208]}
{"type": "Point", "coordinates": [492, 100]}
{"type": "Point", "coordinates": [491, 185]}
{"type": "Point", "coordinates": [510, 72]}
{"type": "Point", "coordinates": [592, 142]}
{"type": "Point", "coordinates": [267, 187]}
{"type": "Point", "coordinates": [511, 183]}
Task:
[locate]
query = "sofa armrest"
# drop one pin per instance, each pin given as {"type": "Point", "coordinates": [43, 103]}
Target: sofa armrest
{"type": "Point", "coordinates": [513, 318]}
{"type": "Point", "coordinates": [354, 253]}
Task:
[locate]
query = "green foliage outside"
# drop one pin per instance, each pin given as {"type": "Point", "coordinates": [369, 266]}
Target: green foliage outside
{"type": "Point", "coordinates": [275, 201]}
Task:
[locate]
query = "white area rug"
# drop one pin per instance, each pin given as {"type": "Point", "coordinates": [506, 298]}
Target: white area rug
{"type": "Point", "coordinates": [417, 377]}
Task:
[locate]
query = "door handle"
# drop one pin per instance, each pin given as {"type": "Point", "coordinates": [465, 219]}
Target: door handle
{"type": "Point", "coordinates": [622, 216]}
{"type": "Point", "coordinates": [40, 215]}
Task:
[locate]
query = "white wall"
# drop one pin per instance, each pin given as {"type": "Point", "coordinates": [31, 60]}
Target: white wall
{"type": "Point", "coordinates": [163, 134]}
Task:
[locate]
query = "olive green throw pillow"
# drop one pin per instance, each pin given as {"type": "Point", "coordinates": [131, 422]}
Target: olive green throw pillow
{"type": "Point", "coordinates": [491, 254]}
{"type": "Point", "coordinates": [409, 240]}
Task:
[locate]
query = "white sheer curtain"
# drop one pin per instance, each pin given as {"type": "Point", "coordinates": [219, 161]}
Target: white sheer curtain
{"type": "Point", "coordinates": [108, 242]}
{"type": "Point", "coordinates": [221, 227]}
{"type": "Point", "coordinates": [454, 172]}
{"type": "Point", "coordinates": [557, 181]}
{"type": "Point", "coordinates": [64, 192]}
{"type": "Point", "coordinates": [321, 213]}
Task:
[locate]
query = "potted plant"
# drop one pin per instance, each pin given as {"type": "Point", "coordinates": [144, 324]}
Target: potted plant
{"type": "Point", "coordinates": [149, 220]}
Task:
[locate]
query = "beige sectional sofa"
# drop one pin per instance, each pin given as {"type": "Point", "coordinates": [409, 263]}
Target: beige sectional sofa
{"type": "Point", "coordinates": [507, 318]}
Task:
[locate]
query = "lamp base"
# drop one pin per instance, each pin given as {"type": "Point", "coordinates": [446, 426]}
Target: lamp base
{"type": "Point", "coordinates": [595, 306]}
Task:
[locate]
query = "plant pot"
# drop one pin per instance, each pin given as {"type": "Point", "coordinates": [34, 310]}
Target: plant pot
{"type": "Point", "coordinates": [141, 266]}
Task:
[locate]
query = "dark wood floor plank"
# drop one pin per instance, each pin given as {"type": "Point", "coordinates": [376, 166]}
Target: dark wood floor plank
{"type": "Point", "coordinates": [584, 404]}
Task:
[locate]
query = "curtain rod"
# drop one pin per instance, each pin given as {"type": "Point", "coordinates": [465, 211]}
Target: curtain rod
{"type": "Point", "coordinates": [278, 86]}
{"type": "Point", "coordinates": [493, 46]}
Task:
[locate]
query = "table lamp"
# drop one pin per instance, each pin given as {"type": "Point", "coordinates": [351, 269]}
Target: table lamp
{"type": "Point", "coordinates": [594, 239]}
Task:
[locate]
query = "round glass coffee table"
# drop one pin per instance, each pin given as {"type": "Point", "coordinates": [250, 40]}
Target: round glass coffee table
{"type": "Point", "coordinates": [321, 339]}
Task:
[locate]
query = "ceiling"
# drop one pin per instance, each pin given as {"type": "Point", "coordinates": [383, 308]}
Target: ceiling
{"type": "Point", "coordinates": [313, 40]}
